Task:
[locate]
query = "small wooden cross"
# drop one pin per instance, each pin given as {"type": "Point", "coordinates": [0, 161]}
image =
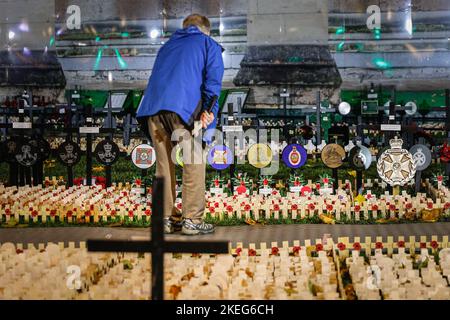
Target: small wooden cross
{"type": "Point", "coordinates": [158, 246]}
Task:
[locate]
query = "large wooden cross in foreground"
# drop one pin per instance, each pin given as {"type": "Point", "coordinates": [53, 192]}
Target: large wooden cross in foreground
{"type": "Point", "coordinates": [158, 246]}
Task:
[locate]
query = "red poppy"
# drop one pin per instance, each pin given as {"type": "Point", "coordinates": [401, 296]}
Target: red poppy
{"type": "Point", "coordinates": [379, 245]}
{"type": "Point", "coordinates": [251, 252]}
{"type": "Point", "coordinates": [179, 206]}
{"type": "Point", "coordinates": [369, 196]}
{"type": "Point", "coordinates": [148, 212]}
{"type": "Point", "coordinates": [329, 207]}
{"type": "Point", "coordinates": [69, 214]}
{"type": "Point", "coordinates": [34, 213]}
{"type": "Point", "coordinates": [319, 247]}
{"type": "Point", "coordinates": [408, 205]}
{"type": "Point", "coordinates": [392, 207]}
{"type": "Point", "coordinates": [113, 213]}
{"type": "Point", "coordinates": [53, 213]}
{"type": "Point", "coordinates": [296, 250]}
{"type": "Point", "coordinates": [325, 180]}
{"type": "Point", "coordinates": [131, 213]}
{"type": "Point", "coordinates": [430, 205]}
{"type": "Point", "coordinates": [440, 178]}
{"type": "Point", "coordinates": [296, 183]}
{"type": "Point", "coordinates": [216, 204]}
{"type": "Point", "coordinates": [294, 207]}
{"type": "Point", "coordinates": [138, 182]}
{"type": "Point", "coordinates": [229, 208]}
{"type": "Point", "coordinates": [305, 190]}
{"type": "Point", "coordinates": [274, 192]}
{"type": "Point", "coordinates": [357, 208]}
{"type": "Point", "coordinates": [216, 183]}
{"type": "Point", "coordinates": [434, 244]}
{"type": "Point", "coordinates": [423, 245]}
{"type": "Point", "coordinates": [341, 246]}
{"type": "Point", "coordinates": [8, 211]}
{"type": "Point", "coordinates": [241, 189]}
{"type": "Point", "coordinates": [317, 186]}
{"type": "Point", "coordinates": [401, 244]}
{"type": "Point", "coordinates": [447, 205]}
{"type": "Point", "coordinates": [275, 251]}
{"type": "Point", "coordinates": [87, 213]}
{"type": "Point", "coordinates": [265, 182]}
{"type": "Point", "coordinates": [374, 207]}
{"type": "Point", "coordinates": [311, 206]}
{"type": "Point", "coordinates": [357, 246]}
{"type": "Point", "coordinates": [212, 209]}
{"type": "Point", "coordinates": [276, 207]}
{"type": "Point", "coordinates": [247, 207]}
{"type": "Point", "coordinates": [238, 251]}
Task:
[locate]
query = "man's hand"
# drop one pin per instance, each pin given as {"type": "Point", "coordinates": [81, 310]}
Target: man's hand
{"type": "Point", "coordinates": [207, 118]}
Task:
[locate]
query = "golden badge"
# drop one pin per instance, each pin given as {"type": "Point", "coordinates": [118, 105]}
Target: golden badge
{"type": "Point", "coordinates": [333, 155]}
{"type": "Point", "coordinates": [259, 155]}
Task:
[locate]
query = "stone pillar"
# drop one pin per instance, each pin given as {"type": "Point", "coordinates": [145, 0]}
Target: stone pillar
{"type": "Point", "coordinates": [287, 48]}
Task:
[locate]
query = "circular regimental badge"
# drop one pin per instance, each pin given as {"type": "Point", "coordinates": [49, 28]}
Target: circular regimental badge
{"type": "Point", "coordinates": [179, 155]}
{"type": "Point", "coordinates": [396, 165]}
{"type": "Point", "coordinates": [107, 152]}
{"type": "Point", "coordinates": [11, 148]}
{"type": "Point", "coordinates": [294, 156]}
{"type": "Point", "coordinates": [421, 155]}
{"type": "Point", "coordinates": [143, 156]}
{"type": "Point", "coordinates": [333, 155]}
{"type": "Point", "coordinates": [360, 158]}
{"type": "Point", "coordinates": [69, 153]}
{"type": "Point", "coordinates": [43, 148]}
{"type": "Point", "coordinates": [306, 132]}
{"type": "Point", "coordinates": [26, 154]}
{"type": "Point", "coordinates": [444, 153]}
{"type": "Point", "coordinates": [220, 157]}
{"type": "Point", "coordinates": [259, 155]}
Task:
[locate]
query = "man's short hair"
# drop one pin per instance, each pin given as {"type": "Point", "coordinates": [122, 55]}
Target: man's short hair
{"type": "Point", "coordinates": [199, 21]}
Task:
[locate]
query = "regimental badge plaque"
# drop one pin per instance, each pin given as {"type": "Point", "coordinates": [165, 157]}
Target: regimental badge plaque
{"type": "Point", "coordinates": [260, 155]}
{"type": "Point", "coordinates": [11, 148]}
{"type": "Point", "coordinates": [333, 155]}
{"type": "Point", "coordinates": [43, 148]}
{"type": "Point", "coordinates": [220, 157]}
{"type": "Point", "coordinates": [143, 156]}
{"type": "Point", "coordinates": [107, 152]}
{"type": "Point", "coordinates": [294, 156]}
{"type": "Point", "coordinates": [307, 132]}
{"type": "Point", "coordinates": [69, 153]}
{"type": "Point", "coordinates": [396, 166]}
{"type": "Point", "coordinates": [360, 158]}
{"type": "Point", "coordinates": [421, 155]}
{"type": "Point", "coordinates": [27, 154]}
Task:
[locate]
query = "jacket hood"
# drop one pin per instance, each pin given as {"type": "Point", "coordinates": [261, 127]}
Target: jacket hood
{"type": "Point", "coordinates": [191, 30]}
{"type": "Point", "coordinates": [187, 31]}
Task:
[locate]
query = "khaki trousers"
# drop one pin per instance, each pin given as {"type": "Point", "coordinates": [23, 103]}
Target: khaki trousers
{"type": "Point", "coordinates": [161, 127]}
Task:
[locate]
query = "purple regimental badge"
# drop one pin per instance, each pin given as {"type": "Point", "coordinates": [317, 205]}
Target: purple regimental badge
{"type": "Point", "coordinates": [220, 157]}
{"type": "Point", "coordinates": [294, 156]}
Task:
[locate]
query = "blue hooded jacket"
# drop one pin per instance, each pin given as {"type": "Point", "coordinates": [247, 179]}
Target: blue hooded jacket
{"type": "Point", "coordinates": [186, 76]}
